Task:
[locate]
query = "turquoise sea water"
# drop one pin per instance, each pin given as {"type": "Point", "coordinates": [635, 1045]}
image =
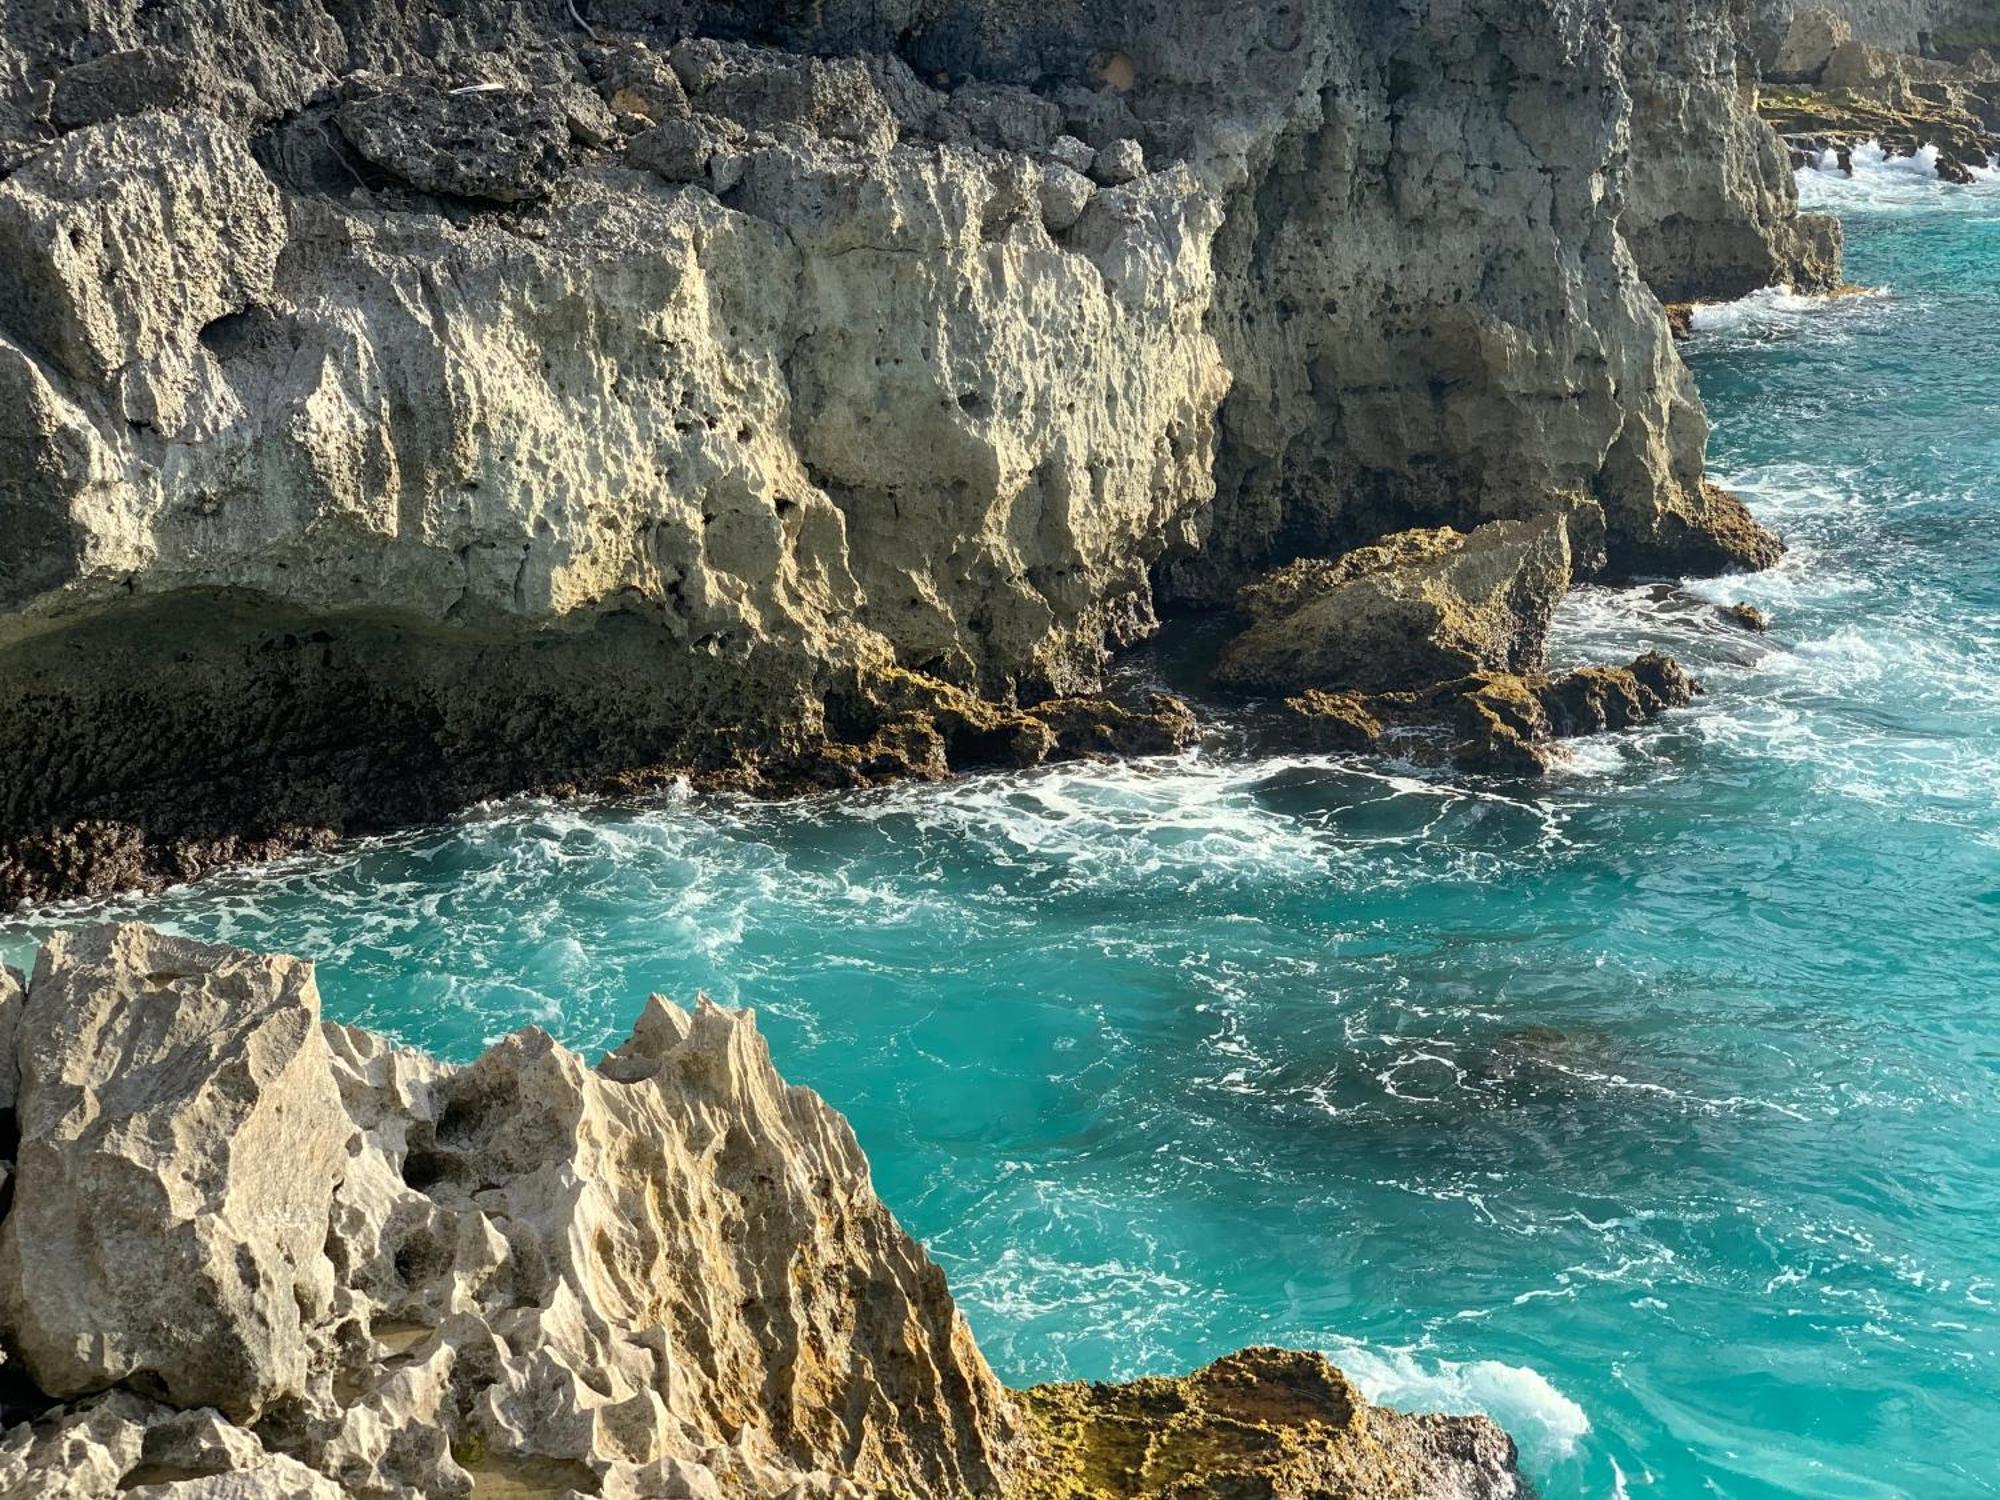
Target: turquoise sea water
{"type": "Point", "coordinates": [1655, 1110]}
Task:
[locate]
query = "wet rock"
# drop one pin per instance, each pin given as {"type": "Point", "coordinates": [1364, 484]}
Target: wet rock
{"type": "Point", "coordinates": [1745, 616]}
{"type": "Point", "coordinates": [495, 144]}
{"type": "Point", "coordinates": [1502, 723]}
{"type": "Point", "coordinates": [1328, 722]}
{"type": "Point", "coordinates": [903, 725]}
{"type": "Point", "coordinates": [1421, 607]}
{"type": "Point", "coordinates": [1508, 724]}
{"type": "Point", "coordinates": [1096, 728]}
{"type": "Point", "coordinates": [180, 1142]}
{"type": "Point", "coordinates": [1264, 1422]}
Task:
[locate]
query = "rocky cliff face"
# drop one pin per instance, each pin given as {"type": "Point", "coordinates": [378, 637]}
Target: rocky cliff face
{"type": "Point", "coordinates": [1711, 208]}
{"type": "Point", "coordinates": [405, 406]}
{"type": "Point", "coordinates": [248, 1254]}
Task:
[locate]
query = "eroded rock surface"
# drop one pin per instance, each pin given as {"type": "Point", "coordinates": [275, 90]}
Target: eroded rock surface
{"type": "Point", "coordinates": [407, 407]}
{"type": "Point", "coordinates": [252, 1254]}
{"type": "Point", "coordinates": [1419, 607]}
{"type": "Point", "coordinates": [1502, 723]}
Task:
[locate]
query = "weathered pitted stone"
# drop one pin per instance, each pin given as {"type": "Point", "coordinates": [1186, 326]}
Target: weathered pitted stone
{"type": "Point", "coordinates": [13, 999]}
{"type": "Point", "coordinates": [1420, 608]}
{"type": "Point", "coordinates": [1266, 1422]}
{"type": "Point", "coordinates": [661, 1278]}
{"type": "Point", "coordinates": [1808, 43]}
{"type": "Point", "coordinates": [1721, 221]}
{"type": "Point", "coordinates": [127, 82]}
{"type": "Point", "coordinates": [674, 469]}
{"type": "Point", "coordinates": [503, 145]}
{"type": "Point", "coordinates": [1064, 195]}
{"type": "Point", "coordinates": [1119, 163]}
{"type": "Point", "coordinates": [1501, 722]}
{"type": "Point", "coordinates": [128, 239]}
{"type": "Point", "coordinates": [180, 1142]}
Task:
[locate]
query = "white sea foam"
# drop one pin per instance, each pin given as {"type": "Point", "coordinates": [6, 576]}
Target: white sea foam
{"type": "Point", "coordinates": [1546, 1424]}
{"type": "Point", "coordinates": [1881, 180]}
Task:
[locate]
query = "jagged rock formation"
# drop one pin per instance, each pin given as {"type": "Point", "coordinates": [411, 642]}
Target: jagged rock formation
{"type": "Point", "coordinates": [1904, 74]}
{"type": "Point", "coordinates": [1714, 220]}
{"type": "Point", "coordinates": [249, 1254]}
{"type": "Point", "coordinates": [405, 407]}
{"type": "Point", "coordinates": [1506, 723]}
{"type": "Point", "coordinates": [1436, 643]}
{"type": "Point", "coordinates": [1416, 608]}
{"type": "Point", "coordinates": [1949, 30]}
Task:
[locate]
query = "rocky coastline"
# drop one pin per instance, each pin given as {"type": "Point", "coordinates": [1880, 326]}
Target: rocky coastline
{"type": "Point", "coordinates": [248, 1253]}
{"type": "Point", "coordinates": [1831, 91]}
{"type": "Point", "coordinates": [409, 407]}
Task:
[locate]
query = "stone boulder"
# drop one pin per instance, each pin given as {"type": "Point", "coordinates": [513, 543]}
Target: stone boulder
{"type": "Point", "coordinates": [1501, 723]}
{"type": "Point", "coordinates": [180, 1142]}
{"type": "Point", "coordinates": [1417, 608]}
{"type": "Point", "coordinates": [1809, 41]}
{"type": "Point", "coordinates": [495, 144]}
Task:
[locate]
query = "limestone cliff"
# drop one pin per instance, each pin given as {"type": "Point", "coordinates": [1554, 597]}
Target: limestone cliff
{"type": "Point", "coordinates": [1711, 208]}
{"type": "Point", "coordinates": [249, 1254]}
{"type": "Point", "coordinates": [401, 405]}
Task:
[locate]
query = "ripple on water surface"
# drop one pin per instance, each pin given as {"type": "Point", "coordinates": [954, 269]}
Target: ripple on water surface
{"type": "Point", "coordinates": [1654, 1109]}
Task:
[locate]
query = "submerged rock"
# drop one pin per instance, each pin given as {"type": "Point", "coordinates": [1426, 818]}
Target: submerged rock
{"type": "Point", "coordinates": [660, 1278]}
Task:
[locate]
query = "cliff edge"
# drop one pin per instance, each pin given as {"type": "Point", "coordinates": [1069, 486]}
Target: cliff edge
{"type": "Point", "coordinates": [248, 1253]}
{"type": "Point", "coordinates": [405, 405]}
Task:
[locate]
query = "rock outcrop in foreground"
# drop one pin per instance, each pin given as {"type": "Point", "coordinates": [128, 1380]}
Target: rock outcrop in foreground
{"type": "Point", "coordinates": [248, 1254]}
{"type": "Point", "coordinates": [402, 405]}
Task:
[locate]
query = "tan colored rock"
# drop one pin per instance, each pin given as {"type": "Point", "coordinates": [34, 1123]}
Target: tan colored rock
{"type": "Point", "coordinates": [125, 241]}
{"type": "Point", "coordinates": [1505, 723]}
{"type": "Point", "coordinates": [666, 1277]}
{"type": "Point", "coordinates": [180, 1142]}
{"type": "Point", "coordinates": [13, 1000]}
{"type": "Point", "coordinates": [1419, 608]}
{"type": "Point", "coordinates": [1265, 1422]}
{"type": "Point", "coordinates": [1809, 41]}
